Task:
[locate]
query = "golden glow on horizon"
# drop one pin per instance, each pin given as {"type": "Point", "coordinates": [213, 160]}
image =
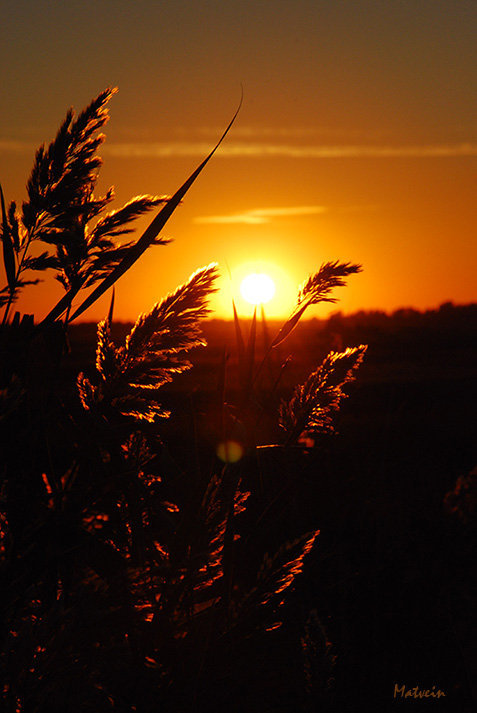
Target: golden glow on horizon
{"type": "Point", "coordinates": [257, 288]}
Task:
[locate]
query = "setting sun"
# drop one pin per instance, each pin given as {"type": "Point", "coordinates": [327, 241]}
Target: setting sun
{"type": "Point", "coordinates": [276, 223]}
{"type": "Point", "coordinates": [257, 288]}
{"type": "Point", "coordinates": [255, 282]}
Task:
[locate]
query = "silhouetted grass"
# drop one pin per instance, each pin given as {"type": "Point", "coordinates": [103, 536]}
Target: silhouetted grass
{"type": "Point", "coordinates": [150, 566]}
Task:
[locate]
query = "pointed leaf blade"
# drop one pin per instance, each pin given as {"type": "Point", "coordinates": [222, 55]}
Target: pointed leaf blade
{"type": "Point", "coordinates": [152, 231]}
{"type": "Point", "coordinates": [8, 249]}
{"type": "Point", "coordinates": [250, 354]}
{"type": "Point", "coordinates": [111, 308]}
{"type": "Point", "coordinates": [238, 336]}
{"type": "Point", "coordinates": [288, 327]}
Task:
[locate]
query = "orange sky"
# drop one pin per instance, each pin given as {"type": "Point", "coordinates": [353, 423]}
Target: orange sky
{"type": "Point", "coordinates": [356, 140]}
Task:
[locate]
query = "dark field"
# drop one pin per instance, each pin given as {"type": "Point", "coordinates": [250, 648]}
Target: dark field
{"type": "Point", "coordinates": [391, 581]}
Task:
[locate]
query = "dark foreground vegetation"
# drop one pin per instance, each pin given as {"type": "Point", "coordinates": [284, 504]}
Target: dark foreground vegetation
{"type": "Point", "coordinates": [237, 537]}
{"type": "Point", "coordinates": [391, 580]}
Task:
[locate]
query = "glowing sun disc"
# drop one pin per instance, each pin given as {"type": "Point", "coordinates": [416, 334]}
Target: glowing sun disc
{"type": "Point", "coordinates": [257, 288]}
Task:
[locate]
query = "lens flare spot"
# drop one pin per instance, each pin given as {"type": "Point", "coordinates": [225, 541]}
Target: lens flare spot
{"type": "Point", "coordinates": [229, 451]}
{"type": "Point", "coordinates": [257, 288]}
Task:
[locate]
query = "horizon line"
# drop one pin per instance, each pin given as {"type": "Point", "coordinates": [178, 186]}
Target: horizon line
{"type": "Point", "coordinates": [369, 311]}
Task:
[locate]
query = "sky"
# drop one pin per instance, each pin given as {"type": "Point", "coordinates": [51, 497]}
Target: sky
{"type": "Point", "coordinates": [356, 140]}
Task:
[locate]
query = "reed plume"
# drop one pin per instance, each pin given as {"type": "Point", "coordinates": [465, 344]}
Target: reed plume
{"type": "Point", "coordinates": [124, 582]}
{"type": "Point", "coordinates": [155, 349]}
{"type": "Point", "coordinates": [310, 410]}
{"type": "Point", "coordinates": [316, 289]}
{"type": "Point", "coordinates": [60, 209]}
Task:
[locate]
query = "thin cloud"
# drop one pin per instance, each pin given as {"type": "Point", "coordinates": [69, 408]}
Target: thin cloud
{"type": "Point", "coordinates": [259, 149]}
{"type": "Point", "coordinates": [266, 150]}
{"type": "Point", "coordinates": [10, 146]}
{"type": "Point", "coordinates": [238, 219]}
{"type": "Point", "coordinates": [314, 134]}
{"type": "Point", "coordinates": [277, 132]}
{"type": "Point", "coordinates": [259, 216]}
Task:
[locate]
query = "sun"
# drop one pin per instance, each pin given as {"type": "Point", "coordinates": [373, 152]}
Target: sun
{"type": "Point", "coordinates": [258, 283]}
{"type": "Point", "coordinates": [257, 288]}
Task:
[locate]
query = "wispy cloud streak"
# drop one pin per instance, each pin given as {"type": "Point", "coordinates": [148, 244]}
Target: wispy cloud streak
{"type": "Point", "coordinates": [11, 146]}
{"type": "Point", "coordinates": [259, 216]}
{"type": "Point", "coordinates": [259, 149]}
{"type": "Point", "coordinates": [267, 150]}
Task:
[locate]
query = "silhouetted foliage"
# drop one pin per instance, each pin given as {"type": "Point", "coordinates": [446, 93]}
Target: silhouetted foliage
{"type": "Point", "coordinates": [122, 584]}
{"type": "Point", "coordinates": [461, 501]}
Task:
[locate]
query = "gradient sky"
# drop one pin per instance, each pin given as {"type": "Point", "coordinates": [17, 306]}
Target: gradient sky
{"type": "Point", "coordinates": [357, 139]}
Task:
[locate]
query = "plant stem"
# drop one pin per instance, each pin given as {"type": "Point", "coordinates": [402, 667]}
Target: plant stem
{"type": "Point", "coordinates": [19, 270]}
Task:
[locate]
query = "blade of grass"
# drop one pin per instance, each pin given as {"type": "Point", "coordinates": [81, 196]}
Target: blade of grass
{"type": "Point", "coordinates": [111, 309]}
{"type": "Point", "coordinates": [266, 344]}
{"type": "Point", "coordinates": [265, 333]}
{"type": "Point", "coordinates": [285, 330]}
{"type": "Point", "coordinates": [250, 357]}
{"type": "Point", "coordinates": [148, 237]}
{"type": "Point", "coordinates": [288, 327]}
{"type": "Point", "coordinates": [238, 337]}
{"type": "Point", "coordinates": [8, 251]}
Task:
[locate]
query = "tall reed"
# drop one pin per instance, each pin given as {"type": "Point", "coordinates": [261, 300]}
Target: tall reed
{"type": "Point", "coordinates": [123, 587]}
